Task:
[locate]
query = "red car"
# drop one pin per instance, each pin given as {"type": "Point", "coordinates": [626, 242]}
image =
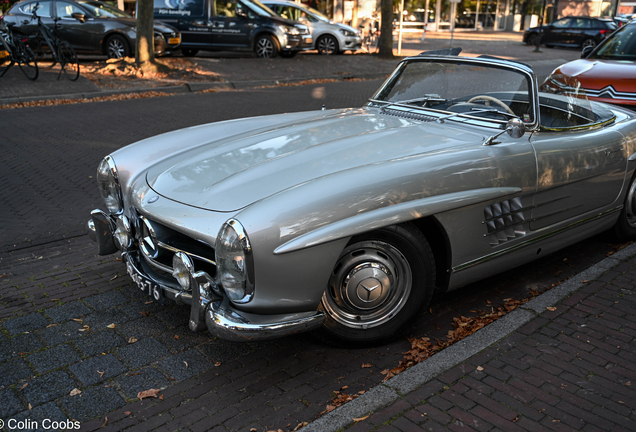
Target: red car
{"type": "Point", "coordinates": [608, 72]}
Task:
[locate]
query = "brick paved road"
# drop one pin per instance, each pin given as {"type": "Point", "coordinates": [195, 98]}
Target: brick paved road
{"type": "Point", "coordinates": [53, 278]}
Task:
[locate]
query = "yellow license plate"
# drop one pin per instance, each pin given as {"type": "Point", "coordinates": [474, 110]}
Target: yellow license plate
{"type": "Point", "coordinates": [174, 41]}
{"type": "Point", "coordinates": [4, 54]}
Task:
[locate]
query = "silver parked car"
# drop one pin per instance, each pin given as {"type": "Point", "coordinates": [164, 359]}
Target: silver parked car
{"type": "Point", "coordinates": [348, 220]}
{"type": "Point", "coordinates": [329, 37]}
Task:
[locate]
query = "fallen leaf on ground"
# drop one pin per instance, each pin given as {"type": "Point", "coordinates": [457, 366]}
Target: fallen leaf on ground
{"type": "Point", "coordinates": [75, 392]}
{"type": "Point", "coordinates": [105, 421]}
{"type": "Point", "coordinates": [101, 374]}
{"type": "Point", "coordinates": [30, 407]}
{"type": "Point", "coordinates": [356, 420]}
{"type": "Point", "coordinates": [479, 368]}
{"type": "Point", "coordinates": [132, 340]}
{"type": "Point", "coordinates": [111, 326]}
{"type": "Point", "coordinates": [144, 313]}
{"type": "Point", "coordinates": [551, 308]}
{"type": "Point", "coordinates": [25, 384]}
{"type": "Point", "coordinates": [152, 393]}
{"type": "Point", "coordinates": [77, 320]}
{"type": "Point", "coordinates": [366, 365]}
{"type": "Point", "coordinates": [127, 413]}
{"type": "Point", "coordinates": [186, 363]}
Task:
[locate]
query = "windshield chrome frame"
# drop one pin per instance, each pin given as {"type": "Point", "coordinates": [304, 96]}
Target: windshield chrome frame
{"type": "Point", "coordinates": [533, 91]}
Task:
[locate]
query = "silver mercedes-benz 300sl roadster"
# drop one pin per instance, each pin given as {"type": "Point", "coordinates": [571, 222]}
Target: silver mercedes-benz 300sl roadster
{"type": "Point", "coordinates": [346, 221]}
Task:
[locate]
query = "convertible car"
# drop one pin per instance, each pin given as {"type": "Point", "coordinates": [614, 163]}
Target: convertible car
{"type": "Point", "coordinates": [346, 221]}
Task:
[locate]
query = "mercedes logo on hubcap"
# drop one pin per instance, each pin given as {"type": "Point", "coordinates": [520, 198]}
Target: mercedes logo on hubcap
{"type": "Point", "coordinates": [369, 290]}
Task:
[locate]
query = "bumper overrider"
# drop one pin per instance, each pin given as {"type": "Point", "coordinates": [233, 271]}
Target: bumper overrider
{"type": "Point", "coordinates": [210, 305]}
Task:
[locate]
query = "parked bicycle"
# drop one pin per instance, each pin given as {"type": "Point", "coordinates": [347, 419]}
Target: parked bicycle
{"type": "Point", "coordinates": [47, 41]}
{"type": "Point", "coordinates": [16, 50]}
{"type": "Point", "coordinates": [371, 39]}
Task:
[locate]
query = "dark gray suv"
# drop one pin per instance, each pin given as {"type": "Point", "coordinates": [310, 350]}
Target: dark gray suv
{"type": "Point", "coordinates": [89, 26]}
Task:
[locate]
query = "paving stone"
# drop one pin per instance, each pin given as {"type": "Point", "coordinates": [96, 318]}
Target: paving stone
{"type": "Point", "coordinates": [48, 387]}
{"type": "Point", "coordinates": [176, 316]}
{"type": "Point", "coordinates": [88, 371]}
{"type": "Point", "coordinates": [185, 365]}
{"type": "Point", "coordinates": [144, 379]}
{"type": "Point", "coordinates": [39, 419]}
{"type": "Point", "coordinates": [142, 328]}
{"type": "Point", "coordinates": [138, 308]}
{"type": "Point", "coordinates": [10, 403]}
{"type": "Point", "coordinates": [61, 333]}
{"type": "Point", "coordinates": [106, 300]}
{"type": "Point", "coordinates": [53, 358]}
{"type": "Point", "coordinates": [223, 351]}
{"type": "Point", "coordinates": [14, 370]}
{"type": "Point", "coordinates": [25, 323]}
{"type": "Point", "coordinates": [99, 342]}
{"type": "Point", "coordinates": [142, 352]}
{"type": "Point", "coordinates": [68, 311]}
{"type": "Point", "coordinates": [25, 343]}
{"type": "Point", "coordinates": [99, 320]}
{"type": "Point", "coordinates": [93, 402]}
{"type": "Point", "coordinates": [182, 338]}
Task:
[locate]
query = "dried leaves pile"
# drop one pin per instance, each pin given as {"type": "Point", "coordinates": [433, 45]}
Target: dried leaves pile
{"type": "Point", "coordinates": [423, 348]}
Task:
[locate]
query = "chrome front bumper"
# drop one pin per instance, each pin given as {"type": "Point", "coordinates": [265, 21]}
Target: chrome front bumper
{"type": "Point", "coordinates": [208, 309]}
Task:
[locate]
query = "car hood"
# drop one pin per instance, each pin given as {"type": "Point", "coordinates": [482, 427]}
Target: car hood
{"type": "Point", "coordinates": [597, 74]}
{"type": "Point", "coordinates": [233, 172]}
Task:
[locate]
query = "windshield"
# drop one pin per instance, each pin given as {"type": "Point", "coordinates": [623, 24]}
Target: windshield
{"type": "Point", "coordinates": [259, 8]}
{"type": "Point", "coordinates": [460, 87]}
{"type": "Point", "coordinates": [104, 11]}
{"type": "Point", "coordinates": [620, 46]}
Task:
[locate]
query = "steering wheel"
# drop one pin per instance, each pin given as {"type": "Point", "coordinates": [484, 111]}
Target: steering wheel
{"type": "Point", "coordinates": [493, 100]}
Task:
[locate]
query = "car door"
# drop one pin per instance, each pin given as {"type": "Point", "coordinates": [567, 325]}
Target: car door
{"type": "Point", "coordinates": [191, 18]}
{"type": "Point", "coordinates": [579, 172]}
{"type": "Point", "coordinates": [83, 36]}
{"type": "Point", "coordinates": [579, 30]}
{"type": "Point", "coordinates": [557, 32]}
{"type": "Point", "coordinates": [233, 23]}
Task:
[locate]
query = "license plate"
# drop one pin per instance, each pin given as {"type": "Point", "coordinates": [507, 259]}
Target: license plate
{"type": "Point", "coordinates": [174, 41]}
{"type": "Point", "coordinates": [143, 283]}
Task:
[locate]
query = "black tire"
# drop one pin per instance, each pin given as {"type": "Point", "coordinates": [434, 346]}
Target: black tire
{"type": "Point", "coordinates": [398, 262]}
{"type": "Point", "coordinates": [189, 52]}
{"type": "Point", "coordinates": [588, 43]}
{"type": "Point", "coordinates": [26, 61]}
{"type": "Point", "coordinates": [625, 227]}
{"type": "Point", "coordinates": [70, 64]}
{"type": "Point", "coordinates": [327, 45]}
{"type": "Point", "coordinates": [117, 47]}
{"type": "Point", "coordinates": [288, 54]}
{"type": "Point", "coordinates": [266, 47]}
{"type": "Point", "coordinates": [532, 40]}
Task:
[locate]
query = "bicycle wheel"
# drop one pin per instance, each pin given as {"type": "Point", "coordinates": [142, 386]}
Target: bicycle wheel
{"type": "Point", "coordinates": [26, 60]}
{"type": "Point", "coordinates": [69, 62]}
{"type": "Point", "coordinates": [42, 52]}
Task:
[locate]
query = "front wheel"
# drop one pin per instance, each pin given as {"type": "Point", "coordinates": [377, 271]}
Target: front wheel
{"type": "Point", "coordinates": [266, 47]}
{"type": "Point", "coordinates": [26, 61]}
{"type": "Point", "coordinates": [588, 43]}
{"type": "Point", "coordinates": [117, 47]}
{"type": "Point", "coordinates": [380, 282]}
{"type": "Point", "coordinates": [70, 64]}
{"type": "Point", "coordinates": [327, 45]}
{"type": "Point", "coordinates": [625, 227]}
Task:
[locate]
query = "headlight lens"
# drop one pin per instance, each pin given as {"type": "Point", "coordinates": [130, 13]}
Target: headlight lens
{"type": "Point", "coordinates": [108, 183]}
{"type": "Point", "coordinates": [347, 33]}
{"type": "Point", "coordinates": [234, 262]}
{"type": "Point", "coordinates": [290, 30]}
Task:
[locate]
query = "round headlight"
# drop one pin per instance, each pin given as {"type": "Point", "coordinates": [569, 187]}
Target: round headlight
{"type": "Point", "coordinates": [182, 268]}
{"type": "Point", "coordinates": [123, 235]}
{"type": "Point", "coordinates": [233, 259]}
{"type": "Point", "coordinates": [108, 183]}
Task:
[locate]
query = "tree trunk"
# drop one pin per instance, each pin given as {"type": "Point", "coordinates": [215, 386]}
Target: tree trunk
{"type": "Point", "coordinates": [145, 52]}
{"type": "Point", "coordinates": [386, 29]}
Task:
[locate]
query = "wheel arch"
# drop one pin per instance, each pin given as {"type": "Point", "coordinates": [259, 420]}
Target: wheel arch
{"type": "Point", "coordinates": [437, 238]}
{"type": "Point", "coordinates": [107, 36]}
{"type": "Point", "coordinates": [265, 32]}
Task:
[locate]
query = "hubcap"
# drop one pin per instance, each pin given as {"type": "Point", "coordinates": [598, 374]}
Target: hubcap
{"type": "Point", "coordinates": [115, 48]}
{"type": "Point", "coordinates": [327, 46]}
{"type": "Point", "coordinates": [369, 285]}
{"type": "Point", "coordinates": [264, 48]}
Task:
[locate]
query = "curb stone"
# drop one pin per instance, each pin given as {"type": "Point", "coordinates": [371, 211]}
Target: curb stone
{"type": "Point", "coordinates": [420, 374]}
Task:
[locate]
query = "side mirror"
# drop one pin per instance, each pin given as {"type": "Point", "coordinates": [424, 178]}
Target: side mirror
{"type": "Point", "coordinates": [586, 51]}
{"type": "Point", "coordinates": [515, 129]}
{"type": "Point", "coordinates": [78, 16]}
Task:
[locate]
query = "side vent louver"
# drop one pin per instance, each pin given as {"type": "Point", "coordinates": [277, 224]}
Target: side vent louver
{"type": "Point", "coordinates": [505, 221]}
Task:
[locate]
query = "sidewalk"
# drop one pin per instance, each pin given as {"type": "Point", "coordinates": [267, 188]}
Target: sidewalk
{"type": "Point", "coordinates": [563, 361]}
{"type": "Point", "coordinates": [230, 71]}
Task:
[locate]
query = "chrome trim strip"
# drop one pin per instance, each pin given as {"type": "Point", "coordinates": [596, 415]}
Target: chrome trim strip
{"type": "Point", "coordinates": [175, 250]}
{"type": "Point", "coordinates": [516, 247]}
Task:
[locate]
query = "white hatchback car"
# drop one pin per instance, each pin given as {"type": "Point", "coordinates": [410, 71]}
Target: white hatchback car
{"type": "Point", "coordinates": [329, 37]}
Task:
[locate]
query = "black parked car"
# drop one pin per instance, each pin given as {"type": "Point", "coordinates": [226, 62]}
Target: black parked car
{"type": "Point", "coordinates": [234, 25]}
{"type": "Point", "coordinates": [95, 27]}
{"type": "Point", "coordinates": [571, 31]}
